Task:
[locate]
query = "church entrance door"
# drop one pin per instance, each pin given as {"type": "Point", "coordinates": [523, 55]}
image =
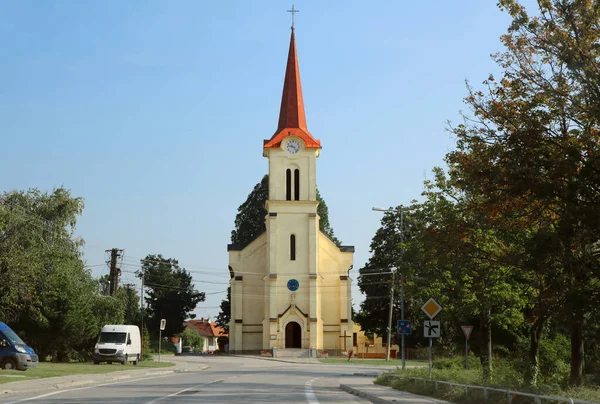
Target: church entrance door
{"type": "Point", "coordinates": [293, 335]}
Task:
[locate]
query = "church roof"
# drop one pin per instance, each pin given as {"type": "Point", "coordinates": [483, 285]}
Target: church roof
{"type": "Point", "coordinates": [292, 120]}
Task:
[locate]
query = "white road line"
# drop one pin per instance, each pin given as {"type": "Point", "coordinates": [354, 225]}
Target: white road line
{"type": "Point", "coordinates": [310, 395]}
{"type": "Point", "coordinates": [84, 388]}
{"type": "Point", "coordinates": [184, 390]}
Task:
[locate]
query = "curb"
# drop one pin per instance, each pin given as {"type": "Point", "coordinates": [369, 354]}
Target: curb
{"type": "Point", "coordinates": [371, 397]}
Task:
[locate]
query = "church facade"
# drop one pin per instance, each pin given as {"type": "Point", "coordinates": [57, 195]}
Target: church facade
{"type": "Point", "coordinates": [290, 287]}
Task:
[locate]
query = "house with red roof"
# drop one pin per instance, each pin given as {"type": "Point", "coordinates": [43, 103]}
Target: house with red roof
{"type": "Point", "coordinates": [215, 337]}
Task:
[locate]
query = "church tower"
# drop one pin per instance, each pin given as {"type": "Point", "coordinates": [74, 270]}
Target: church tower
{"type": "Point", "coordinates": [290, 287]}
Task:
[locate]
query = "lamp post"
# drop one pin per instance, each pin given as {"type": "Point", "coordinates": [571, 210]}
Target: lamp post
{"type": "Point", "coordinates": [389, 336]}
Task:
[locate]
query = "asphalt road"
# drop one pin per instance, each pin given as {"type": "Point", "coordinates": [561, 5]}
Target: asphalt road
{"type": "Point", "coordinates": [225, 380]}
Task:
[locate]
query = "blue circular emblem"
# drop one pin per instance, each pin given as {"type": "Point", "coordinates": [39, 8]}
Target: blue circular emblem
{"type": "Point", "coordinates": [293, 285]}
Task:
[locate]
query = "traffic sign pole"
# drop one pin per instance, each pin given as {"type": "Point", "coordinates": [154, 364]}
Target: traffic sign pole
{"type": "Point", "coordinates": [467, 329]}
{"type": "Point", "coordinates": [430, 347]}
{"type": "Point", "coordinates": [431, 308]}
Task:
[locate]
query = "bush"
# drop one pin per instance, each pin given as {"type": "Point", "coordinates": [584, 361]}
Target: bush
{"type": "Point", "coordinates": [146, 353]}
{"type": "Point", "coordinates": [193, 339]}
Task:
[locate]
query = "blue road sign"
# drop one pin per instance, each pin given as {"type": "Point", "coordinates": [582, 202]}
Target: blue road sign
{"type": "Point", "coordinates": [404, 327]}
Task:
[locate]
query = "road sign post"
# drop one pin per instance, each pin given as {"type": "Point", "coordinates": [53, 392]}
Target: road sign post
{"type": "Point", "coordinates": [467, 329]}
{"type": "Point", "coordinates": [431, 329]}
{"type": "Point", "coordinates": [163, 324]}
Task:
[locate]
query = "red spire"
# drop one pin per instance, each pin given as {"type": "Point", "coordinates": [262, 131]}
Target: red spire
{"type": "Point", "coordinates": [291, 114]}
{"type": "Point", "coordinates": [292, 120]}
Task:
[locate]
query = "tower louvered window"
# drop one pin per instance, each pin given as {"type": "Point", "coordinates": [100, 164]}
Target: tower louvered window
{"type": "Point", "coordinates": [288, 185]}
{"type": "Point", "coordinates": [296, 184]}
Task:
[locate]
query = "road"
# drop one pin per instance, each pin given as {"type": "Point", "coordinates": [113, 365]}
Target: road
{"type": "Point", "coordinates": [225, 380]}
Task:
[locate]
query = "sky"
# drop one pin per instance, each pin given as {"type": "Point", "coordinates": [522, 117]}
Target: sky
{"type": "Point", "coordinates": [155, 112]}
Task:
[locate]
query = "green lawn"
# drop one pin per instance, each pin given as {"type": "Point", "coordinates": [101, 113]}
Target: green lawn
{"type": "Point", "coordinates": [371, 362]}
{"type": "Point", "coordinates": [47, 369]}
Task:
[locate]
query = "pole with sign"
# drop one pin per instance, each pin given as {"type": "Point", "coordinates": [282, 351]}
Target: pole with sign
{"type": "Point", "coordinates": [431, 329]}
{"type": "Point", "coordinates": [467, 329]}
{"type": "Point", "coordinates": [163, 324]}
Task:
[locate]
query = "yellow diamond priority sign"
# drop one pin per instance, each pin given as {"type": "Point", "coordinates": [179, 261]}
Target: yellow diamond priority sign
{"type": "Point", "coordinates": [431, 308]}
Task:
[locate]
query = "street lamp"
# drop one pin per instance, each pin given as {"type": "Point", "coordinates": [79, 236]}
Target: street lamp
{"type": "Point", "coordinates": [389, 336]}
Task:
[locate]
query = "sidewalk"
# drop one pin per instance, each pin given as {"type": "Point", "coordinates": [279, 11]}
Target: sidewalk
{"type": "Point", "coordinates": [64, 382]}
{"type": "Point", "coordinates": [363, 386]}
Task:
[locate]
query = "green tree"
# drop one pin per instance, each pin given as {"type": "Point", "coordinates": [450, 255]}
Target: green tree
{"type": "Point", "coordinates": [36, 232]}
{"type": "Point", "coordinates": [131, 303]}
{"type": "Point", "coordinates": [531, 151]}
{"type": "Point", "coordinates": [171, 293]}
{"type": "Point", "coordinates": [46, 293]}
{"type": "Point", "coordinates": [225, 314]}
{"type": "Point", "coordinates": [192, 339]}
{"type": "Point", "coordinates": [250, 223]}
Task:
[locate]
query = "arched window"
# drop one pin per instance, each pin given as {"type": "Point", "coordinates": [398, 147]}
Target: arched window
{"type": "Point", "coordinates": [296, 184]}
{"type": "Point", "coordinates": [293, 247]}
{"type": "Point", "coordinates": [288, 185]}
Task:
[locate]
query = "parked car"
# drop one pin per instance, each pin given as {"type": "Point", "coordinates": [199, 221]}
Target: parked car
{"type": "Point", "coordinates": [118, 343]}
{"type": "Point", "coordinates": [187, 349]}
{"type": "Point", "coordinates": [14, 353]}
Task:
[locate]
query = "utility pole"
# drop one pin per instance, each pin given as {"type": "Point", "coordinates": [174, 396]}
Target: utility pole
{"type": "Point", "coordinates": [142, 313]}
{"type": "Point", "coordinates": [114, 271]}
{"type": "Point", "coordinates": [401, 211]}
{"type": "Point", "coordinates": [402, 285]}
{"type": "Point", "coordinates": [389, 327]}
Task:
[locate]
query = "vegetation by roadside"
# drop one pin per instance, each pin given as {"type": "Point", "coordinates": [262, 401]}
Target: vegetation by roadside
{"type": "Point", "coordinates": [505, 376]}
{"type": "Point", "coordinates": [370, 362]}
{"type": "Point", "coordinates": [47, 369]}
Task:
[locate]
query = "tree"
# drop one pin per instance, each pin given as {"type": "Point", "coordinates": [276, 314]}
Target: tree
{"type": "Point", "coordinates": [131, 303]}
{"type": "Point", "coordinates": [250, 223]}
{"type": "Point", "coordinates": [192, 339]}
{"type": "Point", "coordinates": [531, 151]}
{"type": "Point", "coordinates": [46, 294]}
{"type": "Point", "coordinates": [36, 231]}
{"type": "Point", "coordinates": [225, 314]}
{"type": "Point", "coordinates": [171, 294]}
{"type": "Point", "coordinates": [250, 219]}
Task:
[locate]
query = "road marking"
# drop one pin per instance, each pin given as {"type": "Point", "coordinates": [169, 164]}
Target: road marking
{"type": "Point", "coordinates": [85, 388]}
{"type": "Point", "coordinates": [184, 390]}
{"type": "Point", "coordinates": [310, 395]}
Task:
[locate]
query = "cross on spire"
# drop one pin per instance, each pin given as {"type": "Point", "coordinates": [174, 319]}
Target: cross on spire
{"type": "Point", "coordinates": [293, 11]}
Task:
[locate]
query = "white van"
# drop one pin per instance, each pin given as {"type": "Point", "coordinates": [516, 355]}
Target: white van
{"type": "Point", "coordinates": [118, 343]}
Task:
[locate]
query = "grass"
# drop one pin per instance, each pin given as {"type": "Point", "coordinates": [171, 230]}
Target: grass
{"type": "Point", "coordinates": [504, 377]}
{"type": "Point", "coordinates": [48, 369]}
{"type": "Point", "coordinates": [370, 362]}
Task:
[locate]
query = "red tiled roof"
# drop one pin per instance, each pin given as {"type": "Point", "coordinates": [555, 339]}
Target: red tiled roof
{"type": "Point", "coordinates": [206, 328]}
{"type": "Point", "coordinates": [292, 120]}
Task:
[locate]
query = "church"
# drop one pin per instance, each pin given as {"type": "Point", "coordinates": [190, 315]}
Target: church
{"type": "Point", "coordinates": [290, 289]}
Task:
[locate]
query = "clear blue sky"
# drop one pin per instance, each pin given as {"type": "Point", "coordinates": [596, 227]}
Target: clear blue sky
{"type": "Point", "coordinates": [155, 112]}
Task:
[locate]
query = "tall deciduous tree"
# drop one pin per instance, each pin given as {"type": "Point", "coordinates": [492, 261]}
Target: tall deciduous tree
{"type": "Point", "coordinates": [250, 223]}
{"type": "Point", "coordinates": [531, 149]}
{"type": "Point", "coordinates": [46, 294]}
{"type": "Point", "coordinates": [171, 294]}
